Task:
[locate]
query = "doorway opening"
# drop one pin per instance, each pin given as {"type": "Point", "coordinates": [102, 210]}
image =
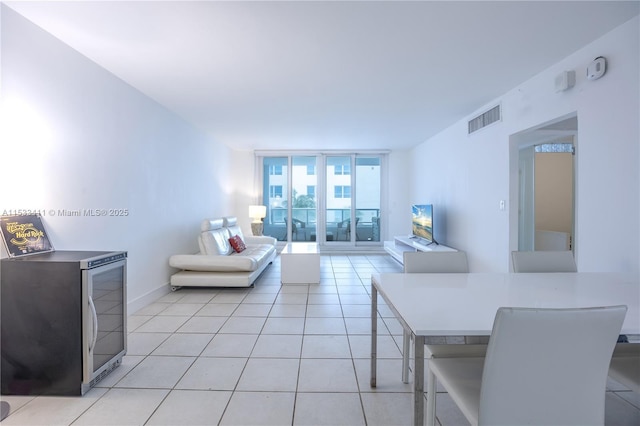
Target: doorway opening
{"type": "Point", "coordinates": [542, 186]}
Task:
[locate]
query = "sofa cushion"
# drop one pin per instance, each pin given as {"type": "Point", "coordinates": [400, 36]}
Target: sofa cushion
{"type": "Point", "coordinates": [262, 239]}
{"type": "Point", "coordinates": [231, 223]}
{"type": "Point", "coordinates": [237, 244]}
{"type": "Point", "coordinates": [211, 224]}
{"type": "Point", "coordinates": [214, 238]}
{"type": "Point", "coordinates": [261, 253]}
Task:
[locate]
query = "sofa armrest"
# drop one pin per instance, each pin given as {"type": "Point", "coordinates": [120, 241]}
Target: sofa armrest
{"type": "Point", "coordinates": [262, 239]}
{"type": "Point", "coordinates": [213, 263]}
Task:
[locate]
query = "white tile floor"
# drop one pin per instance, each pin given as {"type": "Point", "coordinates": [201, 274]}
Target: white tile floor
{"type": "Point", "coordinates": [268, 355]}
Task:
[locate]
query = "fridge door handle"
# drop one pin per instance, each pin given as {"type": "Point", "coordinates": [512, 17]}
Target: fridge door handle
{"type": "Point", "coordinates": [94, 324]}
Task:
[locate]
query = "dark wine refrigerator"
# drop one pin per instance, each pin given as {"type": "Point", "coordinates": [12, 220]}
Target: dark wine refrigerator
{"type": "Point", "coordinates": [63, 320]}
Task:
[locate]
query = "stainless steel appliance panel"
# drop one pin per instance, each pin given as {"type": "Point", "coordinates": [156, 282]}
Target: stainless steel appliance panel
{"type": "Point", "coordinates": [104, 313]}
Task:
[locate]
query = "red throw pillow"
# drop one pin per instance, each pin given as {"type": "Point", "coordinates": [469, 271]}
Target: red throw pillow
{"type": "Point", "coordinates": [237, 243]}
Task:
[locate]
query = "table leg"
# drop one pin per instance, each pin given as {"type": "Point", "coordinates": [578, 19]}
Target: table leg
{"type": "Point", "coordinates": [418, 380]}
{"type": "Point", "coordinates": [374, 333]}
{"type": "Point", "coordinates": [406, 352]}
{"type": "Point", "coordinates": [431, 399]}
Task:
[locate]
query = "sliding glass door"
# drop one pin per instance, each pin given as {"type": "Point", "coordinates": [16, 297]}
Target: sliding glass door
{"type": "Point", "coordinates": [330, 199]}
{"type": "Point", "coordinates": [275, 190]}
{"type": "Point", "coordinates": [368, 198]}
{"type": "Point", "coordinates": [338, 198]}
{"type": "Point", "coordinates": [353, 198]}
{"type": "Point", "coordinates": [304, 182]}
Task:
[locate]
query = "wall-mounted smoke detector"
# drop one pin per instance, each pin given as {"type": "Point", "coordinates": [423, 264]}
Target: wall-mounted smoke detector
{"type": "Point", "coordinates": [597, 68]}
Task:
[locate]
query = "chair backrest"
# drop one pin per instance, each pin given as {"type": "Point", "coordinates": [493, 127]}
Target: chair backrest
{"type": "Point", "coordinates": [294, 228]}
{"type": "Point", "coordinates": [435, 261]}
{"type": "Point", "coordinates": [543, 261]}
{"type": "Point", "coordinates": [548, 366]}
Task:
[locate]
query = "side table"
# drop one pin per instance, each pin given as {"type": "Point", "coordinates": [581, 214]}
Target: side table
{"type": "Point", "coordinates": [300, 263]}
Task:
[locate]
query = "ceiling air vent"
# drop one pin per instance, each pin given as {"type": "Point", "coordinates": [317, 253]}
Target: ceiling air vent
{"type": "Point", "coordinates": [484, 119]}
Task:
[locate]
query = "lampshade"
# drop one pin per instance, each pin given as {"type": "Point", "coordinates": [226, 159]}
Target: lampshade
{"type": "Point", "coordinates": [257, 212]}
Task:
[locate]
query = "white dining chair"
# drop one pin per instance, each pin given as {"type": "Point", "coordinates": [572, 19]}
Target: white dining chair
{"type": "Point", "coordinates": [542, 367]}
{"type": "Point", "coordinates": [437, 262]}
{"type": "Point", "coordinates": [625, 365]}
{"type": "Point", "coordinates": [543, 261]}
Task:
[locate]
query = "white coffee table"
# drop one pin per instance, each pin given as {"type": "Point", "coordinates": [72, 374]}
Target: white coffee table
{"type": "Point", "coordinates": [300, 263]}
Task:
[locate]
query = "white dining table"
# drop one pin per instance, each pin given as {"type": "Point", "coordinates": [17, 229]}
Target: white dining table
{"type": "Point", "coordinates": [444, 308]}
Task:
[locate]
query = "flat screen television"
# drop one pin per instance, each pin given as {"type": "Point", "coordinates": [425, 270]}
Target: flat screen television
{"type": "Point", "coordinates": [422, 223]}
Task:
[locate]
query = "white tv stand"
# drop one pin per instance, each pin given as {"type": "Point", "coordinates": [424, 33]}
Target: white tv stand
{"type": "Point", "coordinates": [400, 244]}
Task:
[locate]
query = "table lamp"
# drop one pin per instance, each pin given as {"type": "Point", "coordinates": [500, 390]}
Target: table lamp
{"type": "Point", "coordinates": [257, 213]}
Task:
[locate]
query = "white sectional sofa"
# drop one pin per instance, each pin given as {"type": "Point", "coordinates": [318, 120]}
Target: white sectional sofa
{"type": "Point", "coordinates": [218, 264]}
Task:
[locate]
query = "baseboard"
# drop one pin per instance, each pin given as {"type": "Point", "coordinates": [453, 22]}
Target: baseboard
{"type": "Point", "coordinates": [147, 299]}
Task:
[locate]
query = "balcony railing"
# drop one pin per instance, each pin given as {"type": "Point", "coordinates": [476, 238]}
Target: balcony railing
{"type": "Point", "coordinates": [337, 226]}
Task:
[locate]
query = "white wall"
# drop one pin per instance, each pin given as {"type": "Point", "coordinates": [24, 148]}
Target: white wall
{"type": "Point", "coordinates": [398, 202]}
{"type": "Point", "coordinates": [244, 192]}
{"type": "Point", "coordinates": [469, 175]}
{"type": "Point", "coordinates": [76, 137]}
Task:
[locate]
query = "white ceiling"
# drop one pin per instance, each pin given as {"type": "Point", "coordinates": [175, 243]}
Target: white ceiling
{"type": "Point", "coordinates": [325, 75]}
